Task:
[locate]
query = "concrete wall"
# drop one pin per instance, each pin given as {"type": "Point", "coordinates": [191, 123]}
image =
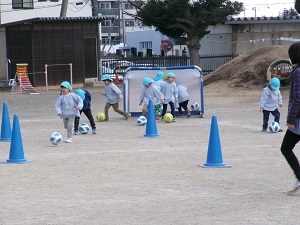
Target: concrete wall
{"type": "Point", "coordinates": [250, 37]}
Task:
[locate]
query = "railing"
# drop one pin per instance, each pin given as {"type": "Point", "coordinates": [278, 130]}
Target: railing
{"type": "Point", "coordinates": [208, 63]}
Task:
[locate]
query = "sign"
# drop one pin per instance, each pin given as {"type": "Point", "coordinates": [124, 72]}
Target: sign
{"type": "Point", "coordinates": [164, 45]}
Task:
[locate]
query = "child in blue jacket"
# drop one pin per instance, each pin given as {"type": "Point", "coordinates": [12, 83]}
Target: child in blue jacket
{"type": "Point", "coordinates": [86, 109]}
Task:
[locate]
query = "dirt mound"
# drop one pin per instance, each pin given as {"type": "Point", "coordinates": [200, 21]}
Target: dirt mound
{"type": "Point", "coordinates": [247, 69]}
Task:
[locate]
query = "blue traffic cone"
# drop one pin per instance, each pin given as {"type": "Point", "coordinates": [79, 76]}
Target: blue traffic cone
{"type": "Point", "coordinates": [151, 130]}
{"type": "Point", "coordinates": [16, 154]}
{"type": "Point", "coordinates": [5, 126]}
{"type": "Point", "coordinates": [214, 154]}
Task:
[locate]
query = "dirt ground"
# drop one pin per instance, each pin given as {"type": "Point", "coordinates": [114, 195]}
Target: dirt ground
{"type": "Point", "coordinates": [119, 177]}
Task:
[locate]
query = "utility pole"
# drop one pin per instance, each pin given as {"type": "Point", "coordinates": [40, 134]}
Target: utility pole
{"type": "Point", "coordinates": [94, 7]}
{"type": "Point", "coordinates": [63, 10]}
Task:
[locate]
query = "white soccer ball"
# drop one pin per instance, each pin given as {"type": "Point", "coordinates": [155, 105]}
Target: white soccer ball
{"type": "Point", "coordinates": [55, 138]}
{"type": "Point", "coordinates": [141, 120]}
{"type": "Point", "coordinates": [84, 128]}
{"type": "Point", "coordinates": [195, 106]}
{"type": "Point", "coordinates": [274, 127]}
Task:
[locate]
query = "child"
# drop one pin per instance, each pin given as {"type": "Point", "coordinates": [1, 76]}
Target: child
{"type": "Point", "coordinates": [158, 81]}
{"type": "Point", "coordinates": [67, 106]}
{"type": "Point", "coordinates": [150, 92]}
{"type": "Point", "coordinates": [183, 100]}
{"type": "Point", "coordinates": [292, 135]}
{"type": "Point", "coordinates": [86, 109]}
{"type": "Point", "coordinates": [269, 102]}
{"type": "Point", "coordinates": [114, 96]}
{"type": "Point", "coordinates": [169, 90]}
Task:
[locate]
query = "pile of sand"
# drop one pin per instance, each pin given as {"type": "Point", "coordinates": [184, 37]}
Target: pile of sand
{"type": "Point", "coordinates": [247, 70]}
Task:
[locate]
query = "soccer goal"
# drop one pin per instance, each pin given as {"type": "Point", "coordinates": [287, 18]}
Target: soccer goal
{"type": "Point", "coordinates": [188, 76]}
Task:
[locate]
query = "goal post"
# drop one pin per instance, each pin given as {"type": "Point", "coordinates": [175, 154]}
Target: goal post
{"type": "Point", "coordinates": [189, 76]}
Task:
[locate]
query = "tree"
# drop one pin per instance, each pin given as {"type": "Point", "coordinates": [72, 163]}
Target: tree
{"type": "Point", "coordinates": [288, 12]}
{"type": "Point", "coordinates": [185, 20]}
{"type": "Point", "coordinates": [297, 5]}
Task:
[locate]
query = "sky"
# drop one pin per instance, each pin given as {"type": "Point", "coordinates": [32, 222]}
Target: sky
{"type": "Point", "coordinates": [265, 7]}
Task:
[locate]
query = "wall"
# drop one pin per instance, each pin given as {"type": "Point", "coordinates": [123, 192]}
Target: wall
{"type": "Point", "coordinates": [42, 9]}
{"type": "Point", "coordinates": [133, 39]}
{"type": "Point", "coordinates": [250, 37]}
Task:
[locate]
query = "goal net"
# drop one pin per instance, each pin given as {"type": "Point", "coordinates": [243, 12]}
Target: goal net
{"type": "Point", "coordinates": [189, 76]}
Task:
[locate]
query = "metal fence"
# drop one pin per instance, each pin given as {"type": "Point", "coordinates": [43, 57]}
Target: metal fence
{"type": "Point", "coordinates": [117, 65]}
{"type": "Point", "coordinates": [209, 63]}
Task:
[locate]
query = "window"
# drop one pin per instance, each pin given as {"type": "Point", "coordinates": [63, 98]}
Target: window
{"type": "Point", "coordinates": [129, 23]}
{"type": "Point", "coordinates": [22, 4]}
{"type": "Point", "coordinates": [129, 6]}
{"type": "Point", "coordinates": [105, 5]}
{"type": "Point", "coordinates": [106, 23]}
{"type": "Point", "coordinates": [145, 44]}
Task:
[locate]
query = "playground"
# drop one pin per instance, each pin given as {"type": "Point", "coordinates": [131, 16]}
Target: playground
{"type": "Point", "coordinates": [120, 177]}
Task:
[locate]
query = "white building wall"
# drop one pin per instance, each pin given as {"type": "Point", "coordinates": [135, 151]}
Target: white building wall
{"type": "Point", "coordinates": [42, 9]}
{"type": "Point", "coordinates": [133, 39]}
{"type": "Point", "coordinates": [218, 41]}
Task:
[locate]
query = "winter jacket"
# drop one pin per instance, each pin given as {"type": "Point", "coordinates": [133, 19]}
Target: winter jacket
{"type": "Point", "coordinates": [270, 99]}
{"type": "Point", "coordinates": [294, 97]}
{"type": "Point", "coordinates": [68, 105]}
{"type": "Point", "coordinates": [87, 100]}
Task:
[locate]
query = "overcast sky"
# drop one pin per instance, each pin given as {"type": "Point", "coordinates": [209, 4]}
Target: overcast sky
{"type": "Point", "coordinates": [265, 7]}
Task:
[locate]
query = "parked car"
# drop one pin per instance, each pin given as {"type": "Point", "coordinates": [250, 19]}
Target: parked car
{"type": "Point", "coordinates": [112, 74]}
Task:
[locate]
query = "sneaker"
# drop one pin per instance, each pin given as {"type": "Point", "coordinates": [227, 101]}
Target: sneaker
{"type": "Point", "coordinates": [180, 115]}
{"type": "Point", "coordinates": [296, 190]}
{"type": "Point", "coordinates": [264, 130]}
{"type": "Point", "coordinates": [188, 114]}
{"type": "Point", "coordinates": [68, 140]}
{"type": "Point", "coordinates": [75, 132]}
{"type": "Point", "coordinates": [280, 130]}
{"type": "Point", "coordinates": [126, 116]}
{"type": "Point", "coordinates": [174, 120]}
{"type": "Point", "coordinates": [94, 131]}
{"type": "Point", "coordinates": [157, 118]}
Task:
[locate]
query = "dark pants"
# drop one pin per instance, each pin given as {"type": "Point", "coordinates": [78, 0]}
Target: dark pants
{"type": "Point", "coordinates": [289, 141]}
{"type": "Point", "coordinates": [266, 115]}
{"type": "Point", "coordinates": [183, 105]}
{"type": "Point", "coordinates": [172, 106]}
{"type": "Point", "coordinates": [88, 113]}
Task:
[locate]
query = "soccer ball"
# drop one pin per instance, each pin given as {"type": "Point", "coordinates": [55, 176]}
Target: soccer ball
{"type": "Point", "coordinates": [168, 117]}
{"type": "Point", "coordinates": [274, 127]}
{"type": "Point", "coordinates": [55, 138]}
{"type": "Point", "coordinates": [84, 128]}
{"type": "Point", "coordinates": [100, 116]}
{"type": "Point", "coordinates": [195, 106]}
{"type": "Point", "coordinates": [141, 120]}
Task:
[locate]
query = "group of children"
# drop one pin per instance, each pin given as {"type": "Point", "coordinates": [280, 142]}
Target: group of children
{"type": "Point", "coordinates": [69, 105]}
{"type": "Point", "coordinates": [164, 93]}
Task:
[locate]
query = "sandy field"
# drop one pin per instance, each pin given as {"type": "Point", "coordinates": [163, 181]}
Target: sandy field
{"type": "Point", "coordinates": [118, 177]}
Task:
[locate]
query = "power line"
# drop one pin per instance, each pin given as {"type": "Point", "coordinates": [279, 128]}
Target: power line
{"type": "Point", "coordinates": [44, 7]}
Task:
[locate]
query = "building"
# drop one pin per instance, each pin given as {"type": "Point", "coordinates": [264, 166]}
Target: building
{"type": "Point", "coordinates": [55, 41]}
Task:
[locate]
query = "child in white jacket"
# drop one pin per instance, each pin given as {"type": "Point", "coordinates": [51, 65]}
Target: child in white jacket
{"type": "Point", "coordinates": [269, 102]}
{"type": "Point", "coordinates": [67, 107]}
